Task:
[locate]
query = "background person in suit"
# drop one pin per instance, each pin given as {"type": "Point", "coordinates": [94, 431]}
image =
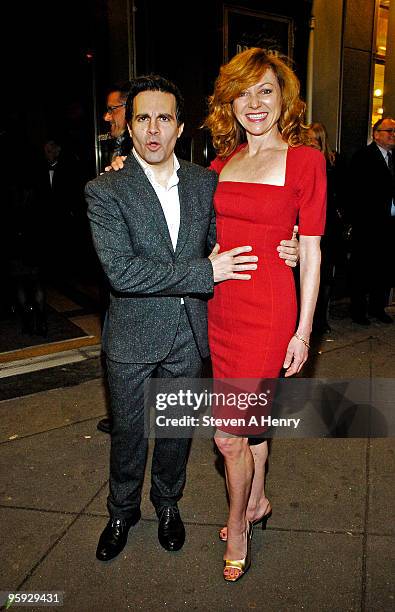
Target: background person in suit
{"type": "Point", "coordinates": [372, 187]}
{"type": "Point", "coordinates": [58, 192]}
{"type": "Point", "coordinates": [153, 227]}
{"type": "Point", "coordinates": [332, 252]}
{"type": "Point", "coordinates": [119, 143]}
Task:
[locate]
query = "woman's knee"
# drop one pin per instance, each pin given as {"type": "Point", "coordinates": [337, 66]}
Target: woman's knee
{"type": "Point", "coordinates": [231, 446]}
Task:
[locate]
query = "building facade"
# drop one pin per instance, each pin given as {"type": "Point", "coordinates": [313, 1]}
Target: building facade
{"type": "Point", "coordinates": [342, 51]}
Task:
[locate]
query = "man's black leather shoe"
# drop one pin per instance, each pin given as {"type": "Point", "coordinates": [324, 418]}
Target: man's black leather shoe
{"type": "Point", "coordinates": [114, 537]}
{"type": "Point", "coordinates": [171, 530]}
{"type": "Point", "coordinates": [104, 425]}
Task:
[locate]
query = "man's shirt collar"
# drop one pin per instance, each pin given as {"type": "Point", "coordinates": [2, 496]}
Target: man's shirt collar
{"type": "Point", "coordinates": [173, 180]}
{"type": "Point", "coordinates": [383, 151]}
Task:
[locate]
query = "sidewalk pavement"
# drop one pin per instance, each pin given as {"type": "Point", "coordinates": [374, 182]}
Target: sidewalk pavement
{"type": "Point", "coordinates": [329, 545]}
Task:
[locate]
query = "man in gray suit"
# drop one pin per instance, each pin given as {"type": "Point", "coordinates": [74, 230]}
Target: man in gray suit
{"type": "Point", "coordinates": [153, 227]}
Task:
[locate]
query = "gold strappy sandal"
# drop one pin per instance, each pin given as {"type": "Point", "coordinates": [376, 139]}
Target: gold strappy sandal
{"type": "Point", "coordinates": [243, 565]}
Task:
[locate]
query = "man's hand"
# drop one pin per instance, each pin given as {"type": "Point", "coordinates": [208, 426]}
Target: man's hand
{"type": "Point", "coordinates": [229, 264]}
{"type": "Point", "coordinates": [289, 249]}
{"type": "Point", "coordinates": [116, 164]}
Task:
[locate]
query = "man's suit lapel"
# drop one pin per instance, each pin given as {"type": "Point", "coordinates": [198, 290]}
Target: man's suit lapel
{"type": "Point", "coordinates": [152, 204]}
{"type": "Point", "coordinates": [379, 158]}
{"type": "Point", "coordinates": [385, 176]}
{"type": "Point", "coordinates": [150, 200]}
{"type": "Point", "coordinates": [185, 208]}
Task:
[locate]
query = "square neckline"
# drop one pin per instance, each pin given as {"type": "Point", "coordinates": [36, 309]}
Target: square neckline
{"type": "Point", "coordinates": [263, 184]}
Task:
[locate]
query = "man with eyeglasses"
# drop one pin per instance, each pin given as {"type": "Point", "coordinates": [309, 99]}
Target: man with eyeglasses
{"type": "Point", "coordinates": [120, 143]}
{"type": "Point", "coordinates": [372, 194]}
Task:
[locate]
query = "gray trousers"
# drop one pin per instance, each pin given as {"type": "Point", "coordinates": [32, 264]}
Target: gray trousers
{"type": "Point", "coordinates": [129, 446]}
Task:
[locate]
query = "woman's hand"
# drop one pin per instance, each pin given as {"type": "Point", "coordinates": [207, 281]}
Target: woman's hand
{"type": "Point", "coordinates": [289, 249]}
{"type": "Point", "coordinates": [310, 257]}
{"type": "Point", "coordinates": [296, 357]}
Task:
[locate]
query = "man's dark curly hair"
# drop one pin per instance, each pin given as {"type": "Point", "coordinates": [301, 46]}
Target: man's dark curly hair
{"type": "Point", "coordinates": [154, 82]}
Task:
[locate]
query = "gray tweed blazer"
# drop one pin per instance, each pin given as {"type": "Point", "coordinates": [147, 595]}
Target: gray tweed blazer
{"type": "Point", "coordinates": [147, 277]}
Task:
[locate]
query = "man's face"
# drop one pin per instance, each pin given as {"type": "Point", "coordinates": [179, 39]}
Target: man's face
{"type": "Point", "coordinates": [52, 151]}
{"type": "Point", "coordinates": [385, 139]}
{"type": "Point", "coordinates": [116, 116]}
{"type": "Point", "coordinates": [154, 128]}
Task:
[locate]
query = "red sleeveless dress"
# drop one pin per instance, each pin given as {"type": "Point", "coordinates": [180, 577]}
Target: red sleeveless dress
{"type": "Point", "coordinates": [250, 323]}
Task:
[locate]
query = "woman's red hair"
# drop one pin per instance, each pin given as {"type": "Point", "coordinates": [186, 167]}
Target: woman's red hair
{"type": "Point", "coordinates": [244, 70]}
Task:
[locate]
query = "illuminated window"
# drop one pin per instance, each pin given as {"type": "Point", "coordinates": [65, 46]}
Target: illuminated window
{"type": "Point", "coordinates": [379, 60]}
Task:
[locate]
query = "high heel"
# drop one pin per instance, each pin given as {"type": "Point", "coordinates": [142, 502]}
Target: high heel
{"type": "Point", "coordinates": [223, 533]}
{"type": "Point", "coordinates": [263, 520]}
{"type": "Point", "coordinates": [243, 565]}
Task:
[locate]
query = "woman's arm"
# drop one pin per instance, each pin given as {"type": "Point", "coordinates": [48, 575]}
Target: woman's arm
{"type": "Point", "coordinates": [310, 260]}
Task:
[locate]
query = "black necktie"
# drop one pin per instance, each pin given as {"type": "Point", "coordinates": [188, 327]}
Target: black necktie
{"type": "Point", "coordinates": [390, 162]}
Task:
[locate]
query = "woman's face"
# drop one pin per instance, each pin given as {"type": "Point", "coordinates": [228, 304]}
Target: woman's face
{"type": "Point", "coordinates": [314, 139]}
{"type": "Point", "coordinates": [258, 108]}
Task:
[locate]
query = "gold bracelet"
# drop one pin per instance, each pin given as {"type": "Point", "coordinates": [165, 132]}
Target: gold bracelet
{"type": "Point", "coordinates": [302, 339]}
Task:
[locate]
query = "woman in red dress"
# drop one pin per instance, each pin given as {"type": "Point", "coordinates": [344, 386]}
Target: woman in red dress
{"type": "Point", "coordinates": [268, 178]}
